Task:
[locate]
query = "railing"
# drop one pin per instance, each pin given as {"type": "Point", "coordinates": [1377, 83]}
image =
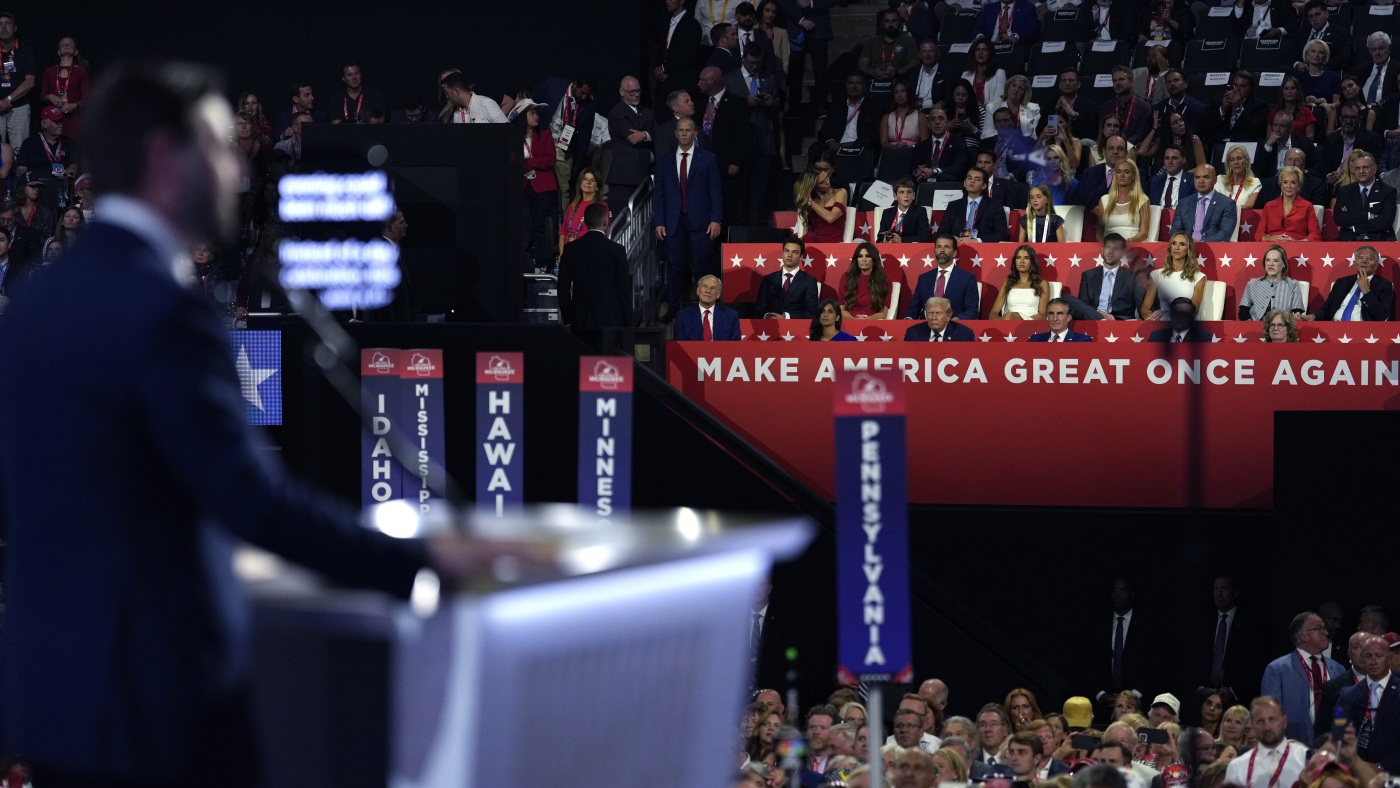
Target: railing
{"type": "Point", "coordinates": [633, 229]}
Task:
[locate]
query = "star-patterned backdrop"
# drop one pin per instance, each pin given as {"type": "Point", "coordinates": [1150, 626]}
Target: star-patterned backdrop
{"type": "Point", "coordinates": [257, 355]}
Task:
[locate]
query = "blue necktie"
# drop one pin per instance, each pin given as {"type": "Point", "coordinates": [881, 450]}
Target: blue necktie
{"type": "Point", "coordinates": [1351, 302]}
{"type": "Point", "coordinates": [753, 85]}
{"type": "Point", "coordinates": [971, 216]}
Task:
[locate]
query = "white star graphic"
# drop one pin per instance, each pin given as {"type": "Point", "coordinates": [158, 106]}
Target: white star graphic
{"type": "Point", "coordinates": [865, 229]}
{"type": "Point", "coordinates": [1009, 338]}
{"type": "Point", "coordinates": [759, 261]}
{"type": "Point", "coordinates": [928, 261]}
{"type": "Point", "coordinates": [1326, 260]}
{"type": "Point", "coordinates": [860, 337]}
{"type": "Point", "coordinates": [1246, 227]}
{"type": "Point", "coordinates": [1250, 260]}
{"type": "Point", "coordinates": [831, 259]}
{"type": "Point", "coordinates": [1050, 260]}
{"type": "Point", "coordinates": [736, 260]}
{"type": "Point", "coordinates": [743, 336]}
{"type": "Point", "coordinates": [1074, 261]}
{"type": "Point", "coordinates": [1215, 339]}
{"type": "Point", "coordinates": [988, 337]}
{"type": "Point", "coordinates": [1148, 259]}
{"type": "Point", "coordinates": [1200, 260]}
{"type": "Point", "coordinates": [787, 337]}
{"type": "Point", "coordinates": [1001, 261]}
{"type": "Point", "coordinates": [977, 261]}
{"type": "Point", "coordinates": [1344, 339]}
{"type": "Point", "coordinates": [1224, 261]}
{"type": "Point", "coordinates": [903, 261]}
{"type": "Point", "coordinates": [1396, 340]}
{"type": "Point", "coordinates": [807, 261]}
{"type": "Point", "coordinates": [1138, 337]}
{"type": "Point", "coordinates": [1319, 339]}
{"type": "Point", "coordinates": [1111, 338]}
{"type": "Point", "coordinates": [1351, 261]}
{"type": "Point", "coordinates": [886, 337]}
{"type": "Point", "coordinates": [1241, 338]}
{"type": "Point", "coordinates": [763, 336]}
{"type": "Point", "coordinates": [1303, 260]}
{"type": "Point", "coordinates": [249, 378]}
{"type": "Point", "coordinates": [1371, 340]}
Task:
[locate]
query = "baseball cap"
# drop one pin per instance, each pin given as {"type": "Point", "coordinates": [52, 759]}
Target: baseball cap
{"type": "Point", "coordinates": [1079, 712]}
{"type": "Point", "coordinates": [1392, 639]}
{"type": "Point", "coordinates": [33, 178]}
{"type": "Point", "coordinates": [1169, 700]}
{"type": "Point", "coordinates": [52, 113]}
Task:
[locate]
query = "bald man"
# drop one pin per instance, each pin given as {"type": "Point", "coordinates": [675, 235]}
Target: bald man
{"type": "Point", "coordinates": [936, 693]}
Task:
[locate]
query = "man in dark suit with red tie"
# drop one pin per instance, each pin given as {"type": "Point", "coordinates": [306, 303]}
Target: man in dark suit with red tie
{"type": "Point", "coordinates": [789, 292]}
{"type": "Point", "coordinates": [944, 155]}
{"type": "Point", "coordinates": [939, 326]}
{"type": "Point", "coordinates": [708, 320]}
{"type": "Point", "coordinates": [726, 132]}
{"type": "Point", "coordinates": [1057, 315]}
{"type": "Point", "coordinates": [687, 210]}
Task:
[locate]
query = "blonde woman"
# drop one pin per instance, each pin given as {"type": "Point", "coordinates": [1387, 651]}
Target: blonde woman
{"type": "Point", "coordinates": [1013, 97]}
{"type": "Point", "coordinates": [1289, 217]}
{"type": "Point", "coordinates": [1041, 224]}
{"type": "Point", "coordinates": [1238, 182]}
{"type": "Point", "coordinates": [821, 209]}
{"type": "Point", "coordinates": [1125, 209]}
{"type": "Point", "coordinates": [1179, 277]}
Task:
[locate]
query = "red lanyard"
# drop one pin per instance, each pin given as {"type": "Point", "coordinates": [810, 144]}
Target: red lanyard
{"type": "Point", "coordinates": [62, 83]}
{"type": "Point", "coordinates": [1128, 120]}
{"type": "Point", "coordinates": [463, 115]}
{"type": "Point", "coordinates": [1235, 195]}
{"type": "Point", "coordinates": [853, 114]}
{"type": "Point", "coordinates": [574, 221]}
{"type": "Point", "coordinates": [345, 106]}
{"type": "Point", "coordinates": [1249, 778]}
{"type": "Point", "coordinates": [1322, 665]}
{"type": "Point", "coordinates": [1103, 23]}
{"type": "Point", "coordinates": [898, 126]}
{"type": "Point", "coordinates": [54, 154]}
{"type": "Point", "coordinates": [569, 118]}
{"type": "Point", "coordinates": [887, 55]}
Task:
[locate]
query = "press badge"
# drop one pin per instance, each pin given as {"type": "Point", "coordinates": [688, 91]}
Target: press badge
{"type": "Point", "coordinates": [567, 135]}
{"type": "Point", "coordinates": [57, 170]}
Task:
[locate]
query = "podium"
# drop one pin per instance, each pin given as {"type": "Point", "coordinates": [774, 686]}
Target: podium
{"type": "Point", "coordinates": [623, 665]}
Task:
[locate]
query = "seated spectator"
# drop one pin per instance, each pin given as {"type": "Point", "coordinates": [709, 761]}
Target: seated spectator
{"type": "Point", "coordinates": [1364, 209]}
{"type": "Point", "coordinates": [467, 106]}
{"type": "Point", "coordinates": [928, 84]}
{"type": "Point", "coordinates": [887, 57]}
{"type": "Point", "coordinates": [14, 273]}
{"type": "Point", "coordinates": [1071, 105]}
{"type": "Point", "coordinates": [1273, 290]}
{"type": "Point", "coordinates": [355, 102]}
{"type": "Point", "coordinates": [1183, 325]}
{"type": "Point", "coordinates": [865, 290]}
{"type": "Point", "coordinates": [70, 226]}
{"type": "Point", "coordinates": [1235, 721]}
{"type": "Point", "coordinates": [1165, 21]}
{"type": "Point", "coordinates": [1321, 85]}
{"type": "Point", "coordinates": [303, 100]}
{"type": "Point", "coordinates": [1239, 183]}
{"type": "Point", "coordinates": [1041, 223]}
{"type": "Point", "coordinates": [28, 198]}
{"type": "Point", "coordinates": [709, 320]}
{"type": "Point", "coordinates": [48, 152]}
{"type": "Point", "coordinates": [1108, 292]}
{"type": "Point", "coordinates": [1269, 156]}
{"type": "Point", "coordinates": [589, 189]}
{"type": "Point", "coordinates": [1057, 314]}
{"type": "Point", "coordinates": [250, 103]}
{"type": "Point", "coordinates": [949, 766]}
{"type": "Point", "coordinates": [1172, 129]}
{"type": "Point", "coordinates": [1291, 102]}
{"type": "Point", "coordinates": [1347, 176]}
{"type": "Point", "coordinates": [948, 281]}
{"type": "Point", "coordinates": [1179, 277]}
{"type": "Point", "coordinates": [1290, 217]}
{"type": "Point", "coordinates": [1057, 176]}
{"type": "Point", "coordinates": [1135, 114]}
{"type": "Point", "coordinates": [974, 216]}
{"type": "Point", "coordinates": [1280, 325]}
{"type": "Point", "coordinates": [903, 126]}
{"type": "Point", "coordinates": [1168, 187]}
{"type": "Point", "coordinates": [986, 79]}
{"type": "Point", "coordinates": [965, 112]}
{"type": "Point", "coordinates": [1022, 297]}
{"type": "Point", "coordinates": [904, 222]}
{"type": "Point", "coordinates": [253, 149]}
{"type": "Point", "coordinates": [1007, 21]}
{"type": "Point", "coordinates": [1350, 94]}
{"type": "Point", "coordinates": [852, 124]}
{"type": "Point", "coordinates": [1376, 79]}
{"type": "Point", "coordinates": [413, 112]}
{"type": "Point", "coordinates": [1340, 143]}
{"type": "Point", "coordinates": [53, 249]}
{"type": "Point", "coordinates": [938, 327]}
{"type": "Point", "coordinates": [788, 292]}
{"type": "Point", "coordinates": [762, 742]}
{"type": "Point", "coordinates": [1179, 100]}
{"type": "Point", "coordinates": [1239, 117]}
{"type": "Point", "coordinates": [1266, 19]}
{"type": "Point", "coordinates": [1110, 126]}
{"type": "Point", "coordinates": [1364, 295]}
{"type": "Point", "coordinates": [1005, 190]}
{"type": "Point", "coordinates": [1024, 114]}
{"type": "Point", "coordinates": [1125, 209]}
{"type": "Point", "coordinates": [1336, 37]}
{"type": "Point", "coordinates": [821, 210]}
{"type": "Point", "coordinates": [1314, 188]}
{"type": "Point", "coordinates": [826, 326]}
{"type": "Point", "coordinates": [943, 155]}
{"type": "Point", "coordinates": [290, 146]}
{"type": "Point", "coordinates": [1150, 81]}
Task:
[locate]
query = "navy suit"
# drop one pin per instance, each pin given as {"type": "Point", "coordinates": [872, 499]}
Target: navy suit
{"type": "Point", "coordinates": [1188, 107]}
{"type": "Point", "coordinates": [960, 290]}
{"type": "Point", "coordinates": [990, 220]}
{"type": "Point", "coordinates": [1025, 22]}
{"type": "Point", "coordinates": [1385, 738]}
{"type": "Point", "coordinates": [1123, 303]}
{"type": "Point", "coordinates": [724, 325]}
{"type": "Point", "coordinates": [1221, 215]}
{"type": "Point", "coordinates": [914, 229]}
{"type": "Point", "coordinates": [953, 332]}
{"type": "Point", "coordinates": [1377, 304]}
{"type": "Point", "coordinates": [1286, 681]}
{"type": "Point", "coordinates": [686, 231]}
{"type": "Point", "coordinates": [1093, 185]}
{"type": "Point", "coordinates": [799, 302]}
{"type": "Point", "coordinates": [126, 648]}
{"type": "Point", "coordinates": [1193, 334]}
{"type": "Point", "coordinates": [1070, 336]}
{"type": "Point", "coordinates": [1157, 184]}
{"type": "Point", "coordinates": [1354, 220]}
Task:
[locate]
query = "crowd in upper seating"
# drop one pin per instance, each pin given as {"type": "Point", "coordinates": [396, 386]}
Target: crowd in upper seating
{"type": "Point", "coordinates": [1315, 717]}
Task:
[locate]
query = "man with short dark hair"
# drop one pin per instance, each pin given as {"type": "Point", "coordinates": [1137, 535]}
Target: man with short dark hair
{"type": "Point", "coordinates": [725, 55]}
{"type": "Point", "coordinates": [1093, 185]}
{"type": "Point", "coordinates": [943, 156]}
{"type": "Point", "coordinates": [927, 82]}
{"type": "Point", "coordinates": [303, 103]}
{"type": "Point", "coordinates": [1058, 317]}
{"type": "Point", "coordinates": [595, 284]}
{"type": "Point", "coordinates": [13, 275]}
{"type": "Point", "coordinates": [1083, 119]}
{"type": "Point", "coordinates": [1108, 291]}
{"type": "Point", "coordinates": [948, 281]}
{"type": "Point", "coordinates": [1274, 760]}
{"type": "Point", "coordinates": [852, 123]}
{"type": "Point", "coordinates": [1182, 314]}
{"type": "Point", "coordinates": [673, 49]}
{"type": "Point", "coordinates": [290, 145]}
{"type": "Point", "coordinates": [975, 216]}
{"type": "Point", "coordinates": [887, 57]}
{"type": "Point", "coordinates": [1134, 111]}
{"type": "Point", "coordinates": [789, 292]}
{"type": "Point", "coordinates": [993, 728]}
{"type": "Point", "coordinates": [26, 246]}
{"type": "Point", "coordinates": [413, 112]}
{"type": "Point", "coordinates": [1179, 101]}
{"type": "Point", "coordinates": [1320, 28]}
{"type": "Point", "coordinates": [1205, 215]}
{"type": "Point", "coordinates": [468, 107]}
{"type": "Point", "coordinates": [1349, 136]}
{"type": "Point", "coordinates": [1373, 619]}
{"type": "Point", "coordinates": [1239, 117]}
{"type": "Point", "coordinates": [356, 102]}
{"type": "Point", "coordinates": [1167, 187]}
{"type": "Point", "coordinates": [571, 123]}
{"type": "Point", "coordinates": [1023, 751]}
{"type": "Point", "coordinates": [819, 721]}
{"type": "Point", "coordinates": [755, 84]}
{"type": "Point", "coordinates": [1007, 21]}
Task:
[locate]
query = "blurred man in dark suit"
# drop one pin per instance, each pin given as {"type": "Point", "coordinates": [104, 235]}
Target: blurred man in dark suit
{"type": "Point", "coordinates": [595, 283]}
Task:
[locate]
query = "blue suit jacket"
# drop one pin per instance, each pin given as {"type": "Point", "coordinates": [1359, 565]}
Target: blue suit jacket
{"type": "Point", "coordinates": [961, 292]}
{"type": "Point", "coordinates": [702, 191]}
{"type": "Point", "coordinates": [551, 91]}
{"type": "Point", "coordinates": [953, 332]}
{"type": "Point", "coordinates": [126, 643]}
{"type": "Point", "coordinates": [1185, 186]}
{"type": "Point", "coordinates": [1385, 739]}
{"type": "Point", "coordinates": [1071, 336]}
{"type": "Point", "coordinates": [1025, 23]}
{"type": "Point", "coordinates": [725, 328]}
{"type": "Point", "coordinates": [1287, 682]}
{"type": "Point", "coordinates": [1220, 217]}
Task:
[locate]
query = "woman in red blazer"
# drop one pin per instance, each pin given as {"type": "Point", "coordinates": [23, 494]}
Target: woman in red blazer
{"type": "Point", "coordinates": [1289, 217]}
{"type": "Point", "coordinates": [541, 187]}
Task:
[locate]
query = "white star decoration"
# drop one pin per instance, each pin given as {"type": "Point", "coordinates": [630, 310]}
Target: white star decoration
{"type": "Point", "coordinates": [1215, 339]}
{"type": "Point", "coordinates": [1326, 261]}
{"type": "Point", "coordinates": [1224, 261]}
{"type": "Point", "coordinates": [977, 261]}
{"type": "Point", "coordinates": [886, 337]}
{"type": "Point", "coordinates": [1344, 339]}
{"type": "Point", "coordinates": [865, 230]}
{"type": "Point", "coordinates": [928, 261]}
{"type": "Point", "coordinates": [1050, 260]}
{"type": "Point", "coordinates": [759, 261]}
{"type": "Point", "coordinates": [860, 337]}
{"type": "Point", "coordinates": [903, 261]}
{"type": "Point", "coordinates": [1111, 338]}
{"type": "Point", "coordinates": [831, 259]}
{"type": "Point", "coordinates": [1200, 260]}
{"type": "Point", "coordinates": [807, 261]}
{"type": "Point", "coordinates": [1074, 261]}
{"type": "Point", "coordinates": [249, 378]}
{"type": "Point", "coordinates": [1319, 339]}
{"type": "Point", "coordinates": [787, 337]}
{"type": "Point", "coordinates": [1001, 261]}
{"type": "Point", "coordinates": [1149, 260]}
{"type": "Point", "coordinates": [737, 261]}
{"type": "Point", "coordinates": [1246, 227]}
{"type": "Point", "coordinates": [1249, 261]}
{"type": "Point", "coordinates": [1371, 340]}
{"type": "Point", "coordinates": [985, 337]}
{"type": "Point", "coordinates": [763, 336]}
{"type": "Point", "coordinates": [1137, 337]}
{"type": "Point", "coordinates": [1009, 338]}
{"type": "Point", "coordinates": [1396, 340]}
{"type": "Point", "coordinates": [1241, 338]}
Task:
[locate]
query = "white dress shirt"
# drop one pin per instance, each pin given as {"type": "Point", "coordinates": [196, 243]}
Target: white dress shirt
{"type": "Point", "coordinates": [1266, 760]}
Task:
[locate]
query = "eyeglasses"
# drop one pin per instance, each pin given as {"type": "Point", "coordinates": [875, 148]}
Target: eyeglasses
{"type": "Point", "coordinates": [1278, 325]}
{"type": "Point", "coordinates": [633, 92]}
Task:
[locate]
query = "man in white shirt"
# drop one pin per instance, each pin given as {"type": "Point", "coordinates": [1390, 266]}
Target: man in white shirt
{"type": "Point", "coordinates": [919, 707]}
{"type": "Point", "coordinates": [468, 107]}
{"type": "Point", "coordinates": [929, 84]}
{"type": "Point", "coordinates": [1276, 761]}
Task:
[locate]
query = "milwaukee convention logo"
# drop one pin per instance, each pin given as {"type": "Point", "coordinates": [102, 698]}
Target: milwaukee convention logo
{"type": "Point", "coordinates": [870, 394]}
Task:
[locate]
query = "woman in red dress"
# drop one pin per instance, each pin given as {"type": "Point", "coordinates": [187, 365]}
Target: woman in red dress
{"type": "Point", "coordinates": [66, 85]}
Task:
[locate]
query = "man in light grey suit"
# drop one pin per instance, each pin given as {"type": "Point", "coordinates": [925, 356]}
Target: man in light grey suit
{"type": "Point", "coordinates": [1218, 222]}
{"type": "Point", "coordinates": [760, 92]}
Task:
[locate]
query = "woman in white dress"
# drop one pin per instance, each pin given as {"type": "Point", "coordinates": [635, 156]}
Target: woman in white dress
{"type": "Point", "coordinates": [1179, 277]}
{"type": "Point", "coordinates": [1238, 182]}
{"type": "Point", "coordinates": [1024, 294]}
{"type": "Point", "coordinates": [1125, 209]}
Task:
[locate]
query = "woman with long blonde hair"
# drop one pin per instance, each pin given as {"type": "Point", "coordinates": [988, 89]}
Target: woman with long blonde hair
{"type": "Point", "coordinates": [1125, 209]}
{"type": "Point", "coordinates": [1179, 277]}
{"type": "Point", "coordinates": [1238, 182]}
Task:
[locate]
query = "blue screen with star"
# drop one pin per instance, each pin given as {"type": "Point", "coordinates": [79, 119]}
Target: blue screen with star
{"type": "Point", "coordinates": [257, 355]}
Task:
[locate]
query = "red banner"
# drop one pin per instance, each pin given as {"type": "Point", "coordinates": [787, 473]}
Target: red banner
{"type": "Point", "coordinates": [1103, 424]}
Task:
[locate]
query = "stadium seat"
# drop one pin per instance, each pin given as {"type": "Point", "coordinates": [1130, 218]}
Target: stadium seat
{"type": "Point", "coordinates": [1154, 221]}
{"type": "Point", "coordinates": [851, 225]}
{"type": "Point", "coordinates": [1268, 54]}
{"type": "Point", "coordinates": [1217, 25]}
{"type": "Point", "coordinates": [1055, 288]}
{"type": "Point", "coordinates": [1074, 221]}
{"type": "Point", "coordinates": [1062, 25]}
{"type": "Point", "coordinates": [1049, 57]}
{"type": "Point", "coordinates": [1011, 57]}
{"type": "Point", "coordinates": [1101, 56]}
{"type": "Point", "coordinates": [1303, 290]}
{"type": "Point", "coordinates": [892, 312]}
{"type": "Point", "coordinates": [927, 189]}
{"type": "Point", "coordinates": [1211, 54]}
{"type": "Point", "coordinates": [1212, 301]}
{"type": "Point", "coordinates": [1208, 87]}
{"type": "Point", "coordinates": [957, 29]}
{"type": "Point", "coordinates": [895, 163]}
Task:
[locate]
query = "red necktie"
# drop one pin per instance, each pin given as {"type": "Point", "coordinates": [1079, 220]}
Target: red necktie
{"type": "Point", "coordinates": [787, 283]}
{"type": "Point", "coordinates": [685, 203]}
{"type": "Point", "coordinates": [1004, 24]}
{"type": "Point", "coordinates": [1170, 196]}
{"type": "Point", "coordinates": [898, 224]}
{"type": "Point", "coordinates": [1055, 337]}
{"type": "Point", "coordinates": [706, 334]}
{"type": "Point", "coordinates": [1317, 682]}
{"type": "Point", "coordinates": [940, 285]}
